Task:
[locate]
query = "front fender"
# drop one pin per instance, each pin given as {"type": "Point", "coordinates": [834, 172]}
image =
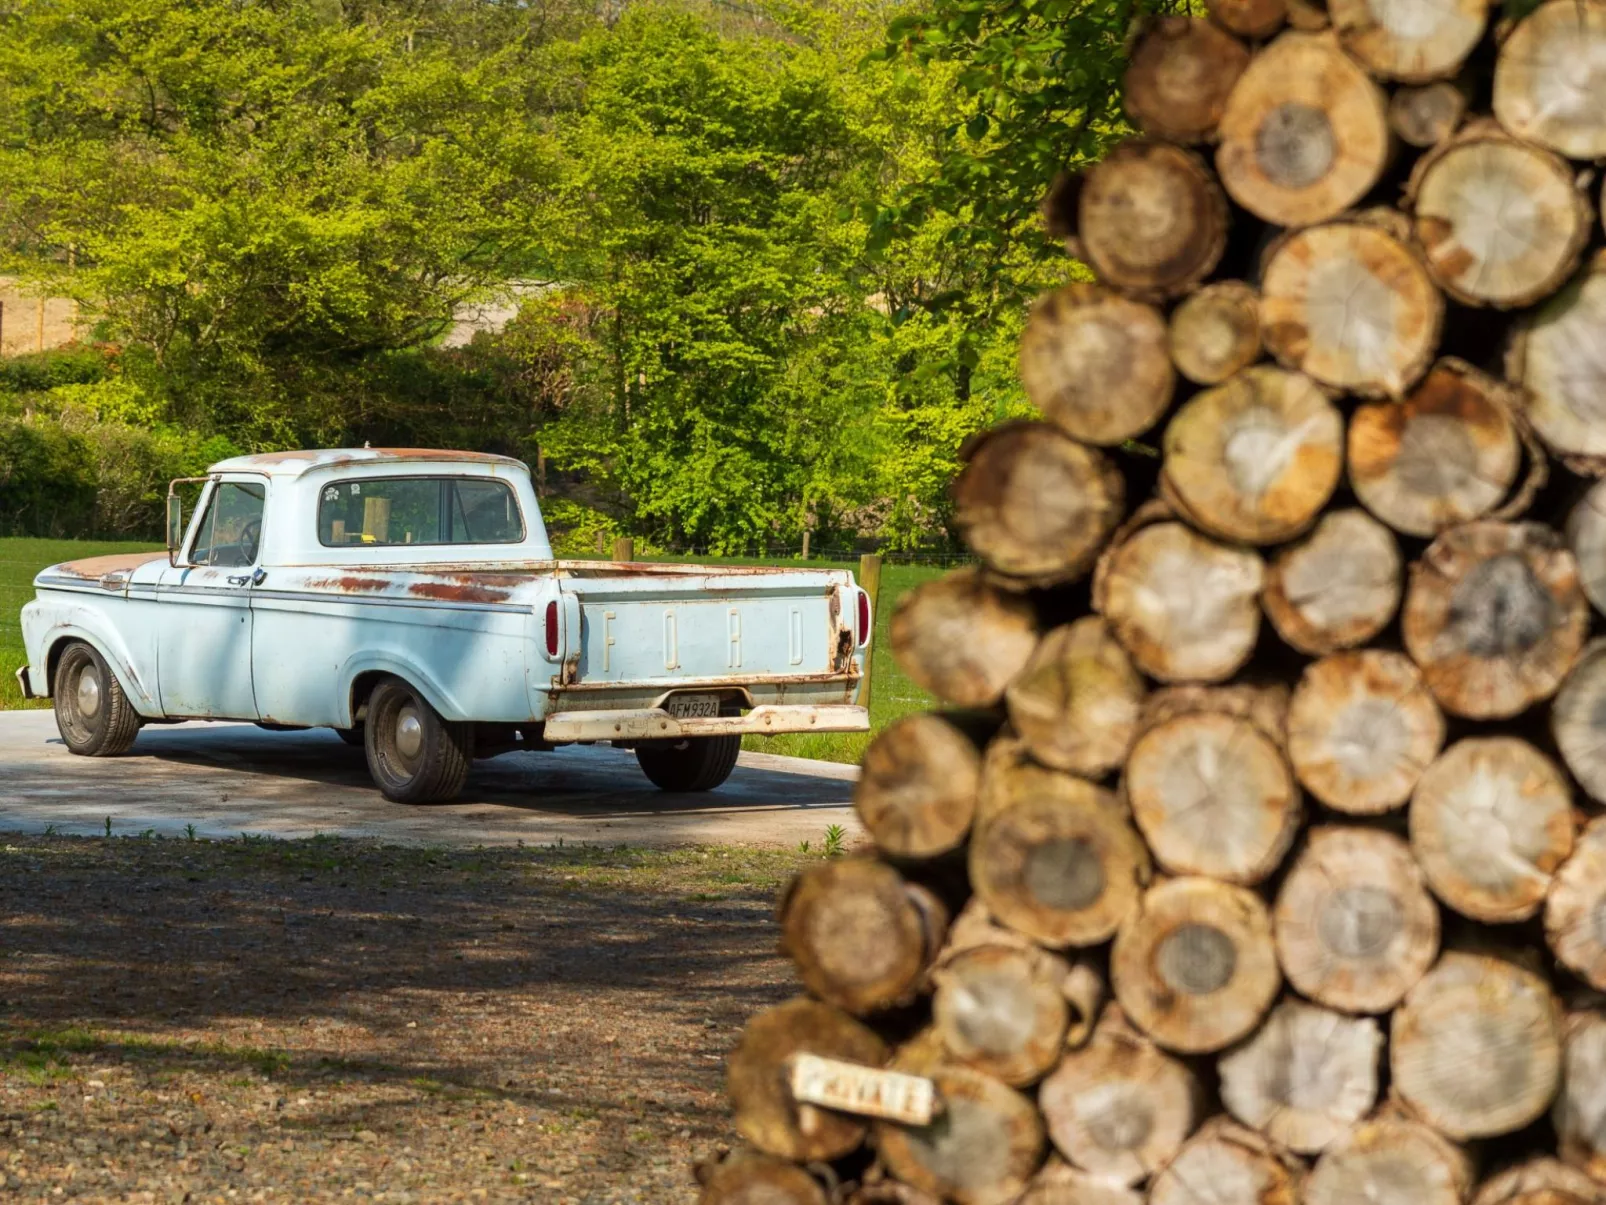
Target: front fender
{"type": "Point", "coordinates": [49, 623]}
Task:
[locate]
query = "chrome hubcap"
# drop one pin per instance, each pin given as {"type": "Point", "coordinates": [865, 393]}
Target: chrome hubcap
{"type": "Point", "coordinates": [409, 733]}
{"type": "Point", "coordinates": [88, 693]}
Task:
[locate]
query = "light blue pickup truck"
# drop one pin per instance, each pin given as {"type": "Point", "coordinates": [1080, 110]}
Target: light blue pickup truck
{"type": "Point", "coordinates": [409, 600]}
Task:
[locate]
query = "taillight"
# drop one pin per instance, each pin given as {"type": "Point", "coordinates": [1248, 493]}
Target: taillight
{"type": "Point", "coordinates": [552, 630]}
{"type": "Point", "coordinates": [864, 619]}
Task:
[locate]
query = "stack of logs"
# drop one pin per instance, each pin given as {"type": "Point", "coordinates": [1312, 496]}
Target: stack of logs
{"type": "Point", "coordinates": [1263, 811]}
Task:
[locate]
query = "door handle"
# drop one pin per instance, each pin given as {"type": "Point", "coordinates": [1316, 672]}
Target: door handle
{"type": "Point", "coordinates": [255, 578]}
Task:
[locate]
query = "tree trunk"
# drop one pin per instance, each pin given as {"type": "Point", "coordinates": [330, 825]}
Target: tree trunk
{"type": "Point", "coordinates": [1445, 455]}
{"type": "Point", "coordinates": [1549, 78]}
{"type": "Point", "coordinates": [1178, 77]}
{"type": "Point", "coordinates": [1255, 459]}
{"type": "Point", "coordinates": [1586, 540]}
{"type": "Point", "coordinates": [1305, 133]}
{"type": "Point", "coordinates": [1058, 1184]}
{"type": "Point", "coordinates": [1575, 909]}
{"type": "Point", "coordinates": [1578, 720]}
{"type": "Point", "coordinates": [1195, 967]}
{"type": "Point", "coordinates": [1226, 1164]}
{"type": "Point", "coordinates": [1215, 332]}
{"type": "Point", "coordinates": [1077, 702]}
{"type": "Point", "coordinates": [1475, 1050]}
{"type": "Point", "coordinates": [1306, 1076]}
{"type": "Point", "coordinates": [917, 788]}
{"type": "Point", "coordinates": [1540, 1182]}
{"type": "Point", "coordinates": [1500, 222]}
{"type": "Point", "coordinates": [1338, 587]}
{"type": "Point", "coordinates": [1495, 617]}
{"type": "Point", "coordinates": [1000, 1010]}
{"type": "Point", "coordinates": [861, 937]}
{"type": "Point", "coordinates": [1355, 926]}
{"type": "Point", "coordinates": [1120, 1107]}
{"type": "Point", "coordinates": [1413, 41]}
{"type": "Point", "coordinates": [1580, 1112]}
{"type": "Point", "coordinates": [1427, 115]}
{"type": "Point", "coordinates": [1034, 504]}
{"type": "Point", "coordinates": [1351, 304]}
{"type": "Point", "coordinates": [1249, 18]}
{"type": "Point", "coordinates": [1183, 606]}
{"type": "Point", "coordinates": [745, 1178]}
{"type": "Point", "coordinates": [1362, 728]}
{"type": "Point", "coordinates": [1095, 363]}
{"type": "Point", "coordinates": [1151, 220]}
{"type": "Point", "coordinates": [1390, 1160]}
{"type": "Point", "coordinates": [1555, 355]}
{"type": "Point", "coordinates": [763, 1110]}
{"type": "Point", "coordinates": [963, 639]}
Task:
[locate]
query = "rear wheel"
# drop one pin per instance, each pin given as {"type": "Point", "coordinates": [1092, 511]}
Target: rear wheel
{"type": "Point", "coordinates": [93, 714]}
{"type": "Point", "coordinates": [700, 764]}
{"type": "Point", "coordinates": [414, 756]}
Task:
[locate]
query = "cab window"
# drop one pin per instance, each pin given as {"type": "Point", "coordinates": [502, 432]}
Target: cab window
{"type": "Point", "coordinates": [230, 534]}
{"type": "Point", "coordinates": [389, 511]}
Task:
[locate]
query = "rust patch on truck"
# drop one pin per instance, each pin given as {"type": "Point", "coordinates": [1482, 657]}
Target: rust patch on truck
{"type": "Point", "coordinates": [466, 591]}
{"type": "Point", "coordinates": [93, 568]}
{"type": "Point", "coordinates": [351, 584]}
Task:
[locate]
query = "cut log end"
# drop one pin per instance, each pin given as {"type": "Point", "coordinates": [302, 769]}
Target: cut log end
{"type": "Point", "coordinates": [1555, 356]}
{"type": "Point", "coordinates": [1336, 588]}
{"type": "Point", "coordinates": [963, 639]}
{"type": "Point", "coordinates": [1058, 1184]}
{"type": "Point", "coordinates": [1000, 1010]}
{"type": "Point", "coordinates": [1410, 40]}
{"type": "Point", "coordinates": [745, 1178]}
{"type": "Point", "coordinates": [1427, 115]}
{"type": "Point", "coordinates": [1575, 909]}
{"type": "Point", "coordinates": [1215, 332]}
{"type": "Point", "coordinates": [1225, 1163]}
{"type": "Point", "coordinates": [1540, 1182]}
{"type": "Point", "coordinates": [1578, 720]}
{"type": "Point", "coordinates": [1390, 1161]}
{"type": "Point", "coordinates": [1550, 75]}
{"type": "Point", "coordinates": [1077, 702]}
{"type": "Point", "coordinates": [1178, 77]}
{"type": "Point", "coordinates": [917, 788]}
{"type": "Point", "coordinates": [1580, 1112]}
{"type": "Point", "coordinates": [1249, 18]}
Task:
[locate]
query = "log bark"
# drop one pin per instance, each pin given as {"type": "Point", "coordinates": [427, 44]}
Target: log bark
{"type": "Point", "coordinates": [1354, 924]}
{"type": "Point", "coordinates": [1338, 587]}
{"type": "Point", "coordinates": [1475, 1050]}
{"type": "Point", "coordinates": [1550, 78]}
{"type": "Point", "coordinates": [1194, 966]}
{"type": "Point", "coordinates": [1249, 18]}
{"type": "Point", "coordinates": [1500, 222]}
{"type": "Point", "coordinates": [1255, 459]}
{"type": "Point", "coordinates": [1096, 364]}
{"type": "Point", "coordinates": [861, 937]}
{"type": "Point", "coordinates": [1215, 332]}
{"type": "Point", "coordinates": [1541, 1182]}
{"type": "Point", "coordinates": [1362, 728]}
{"type": "Point", "coordinates": [1578, 720]}
{"type": "Point", "coordinates": [1305, 1077]}
{"type": "Point", "coordinates": [1076, 703]}
{"type": "Point", "coordinates": [1226, 1164]}
{"type": "Point", "coordinates": [1586, 540]}
{"type": "Point", "coordinates": [1185, 607]}
{"type": "Point", "coordinates": [1413, 41]}
{"type": "Point", "coordinates": [1120, 1108]}
{"type": "Point", "coordinates": [1034, 504]}
{"type": "Point", "coordinates": [1575, 909]}
{"type": "Point", "coordinates": [1580, 1112]}
{"type": "Point", "coordinates": [917, 788]}
{"type": "Point", "coordinates": [1305, 132]}
{"type": "Point", "coordinates": [1390, 1160]}
{"type": "Point", "coordinates": [1213, 796]}
{"type": "Point", "coordinates": [1351, 305]}
{"type": "Point", "coordinates": [1494, 617]}
{"type": "Point", "coordinates": [1178, 76]}
{"type": "Point", "coordinates": [1491, 821]}
{"type": "Point", "coordinates": [1056, 858]}
{"type": "Point", "coordinates": [1001, 1010]}
{"type": "Point", "coordinates": [963, 639]}
{"type": "Point", "coordinates": [1059, 1184]}
{"type": "Point", "coordinates": [764, 1112]}
{"type": "Point", "coordinates": [1555, 355]}
{"type": "Point", "coordinates": [1425, 116]}
{"type": "Point", "coordinates": [1151, 220]}
{"type": "Point", "coordinates": [747, 1178]}
{"type": "Point", "coordinates": [982, 1149]}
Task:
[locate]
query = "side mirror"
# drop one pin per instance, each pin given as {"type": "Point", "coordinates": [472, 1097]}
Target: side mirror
{"type": "Point", "coordinates": [175, 523]}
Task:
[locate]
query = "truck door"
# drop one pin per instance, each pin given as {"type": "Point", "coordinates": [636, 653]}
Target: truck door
{"type": "Point", "coordinates": [204, 606]}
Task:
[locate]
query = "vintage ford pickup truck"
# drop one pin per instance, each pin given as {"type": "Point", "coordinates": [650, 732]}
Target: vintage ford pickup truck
{"type": "Point", "coordinates": [409, 600]}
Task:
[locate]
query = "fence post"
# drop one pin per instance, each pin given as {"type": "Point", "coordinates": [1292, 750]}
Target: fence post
{"type": "Point", "coordinates": [870, 583]}
{"type": "Point", "coordinates": [805, 543]}
{"type": "Point", "coordinates": [624, 549]}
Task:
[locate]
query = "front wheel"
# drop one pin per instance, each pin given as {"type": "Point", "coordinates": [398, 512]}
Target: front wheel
{"type": "Point", "coordinates": [414, 756]}
{"type": "Point", "coordinates": [93, 714]}
{"type": "Point", "coordinates": [699, 764]}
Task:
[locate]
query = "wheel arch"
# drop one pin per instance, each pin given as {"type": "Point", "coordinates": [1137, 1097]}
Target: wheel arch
{"type": "Point", "coordinates": [56, 642]}
{"type": "Point", "coordinates": [361, 675]}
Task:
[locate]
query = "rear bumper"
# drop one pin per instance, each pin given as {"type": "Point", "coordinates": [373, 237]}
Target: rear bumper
{"type": "Point", "coordinates": [656, 724]}
{"type": "Point", "coordinates": [25, 684]}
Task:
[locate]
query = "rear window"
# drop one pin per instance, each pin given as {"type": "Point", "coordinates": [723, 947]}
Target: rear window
{"type": "Point", "coordinates": [389, 511]}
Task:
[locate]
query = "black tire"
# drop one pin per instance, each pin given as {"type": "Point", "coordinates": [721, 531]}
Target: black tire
{"type": "Point", "coordinates": [352, 736]}
{"type": "Point", "coordinates": [93, 714]}
{"type": "Point", "coordinates": [414, 756]}
{"type": "Point", "coordinates": [699, 764]}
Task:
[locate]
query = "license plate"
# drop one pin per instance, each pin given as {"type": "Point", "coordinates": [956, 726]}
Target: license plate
{"type": "Point", "coordinates": [692, 707]}
{"type": "Point", "coordinates": [866, 1091]}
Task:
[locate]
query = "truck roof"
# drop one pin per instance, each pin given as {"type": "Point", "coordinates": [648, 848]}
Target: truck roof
{"type": "Point", "coordinates": [294, 464]}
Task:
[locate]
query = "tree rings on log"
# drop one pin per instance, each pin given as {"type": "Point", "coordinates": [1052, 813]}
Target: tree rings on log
{"type": "Point", "coordinates": [1305, 1077]}
{"type": "Point", "coordinates": [1213, 796]}
{"type": "Point", "coordinates": [1550, 78]}
{"type": "Point", "coordinates": [1586, 538]}
{"type": "Point", "coordinates": [1494, 617]}
{"type": "Point", "coordinates": [1056, 859]}
{"type": "Point", "coordinates": [1215, 332]}
{"type": "Point", "coordinates": [1491, 820]}
{"type": "Point", "coordinates": [1575, 912]}
{"type": "Point", "coordinates": [745, 1178]}
{"type": "Point", "coordinates": [764, 1112]}
{"type": "Point", "coordinates": [1249, 18]}
{"type": "Point", "coordinates": [1390, 1160]}
{"type": "Point", "coordinates": [1058, 1184]}
{"type": "Point", "coordinates": [1095, 364]}
{"type": "Point", "coordinates": [1077, 702]}
{"type": "Point", "coordinates": [1195, 967]}
{"type": "Point", "coordinates": [1151, 220]}
{"type": "Point", "coordinates": [1580, 1112]}
{"type": "Point", "coordinates": [1556, 355]}
{"type": "Point", "coordinates": [1034, 504]}
{"type": "Point", "coordinates": [917, 788]}
{"type": "Point", "coordinates": [1120, 1107]}
{"type": "Point", "coordinates": [1226, 1164]}
{"type": "Point", "coordinates": [1475, 1049]}
{"type": "Point", "coordinates": [1352, 306]}
{"type": "Point", "coordinates": [1409, 40]}
{"type": "Point", "coordinates": [1185, 607]}
{"type": "Point", "coordinates": [1355, 926]}
{"type": "Point", "coordinates": [981, 1150]}
{"type": "Point", "coordinates": [1362, 728]}
{"type": "Point", "coordinates": [1001, 1010]}
{"type": "Point", "coordinates": [1255, 459]}
{"type": "Point", "coordinates": [1178, 77]}
{"type": "Point", "coordinates": [1578, 720]}
{"type": "Point", "coordinates": [1540, 1182]}
{"type": "Point", "coordinates": [1338, 587]}
{"type": "Point", "coordinates": [1447, 454]}
{"type": "Point", "coordinates": [1305, 133]}
{"type": "Point", "coordinates": [963, 639]}
{"type": "Point", "coordinates": [1425, 116]}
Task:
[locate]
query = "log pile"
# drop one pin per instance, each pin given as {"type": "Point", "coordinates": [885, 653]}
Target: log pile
{"type": "Point", "coordinates": [1259, 856]}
